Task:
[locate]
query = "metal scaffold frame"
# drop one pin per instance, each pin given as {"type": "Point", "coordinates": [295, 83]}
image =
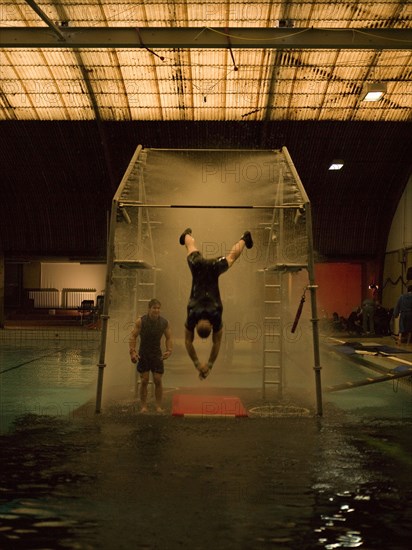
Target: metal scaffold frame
{"type": "Point", "coordinates": [272, 353]}
{"type": "Point", "coordinates": [273, 274]}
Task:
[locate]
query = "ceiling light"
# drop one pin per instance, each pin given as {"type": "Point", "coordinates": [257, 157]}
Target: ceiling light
{"type": "Point", "coordinates": [336, 164]}
{"type": "Point", "coordinates": [373, 91]}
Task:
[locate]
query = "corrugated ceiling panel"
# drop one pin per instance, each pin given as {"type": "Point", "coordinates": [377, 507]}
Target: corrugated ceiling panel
{"type": "Point", "coordinates": [15, 12]}
{"type": "Point", "coordinates": [246, 14]}
{"type": "Point", "coordinates": [209, 72]}
{"type": "Point", "coordinates": [245, 89]}
{"type": "Point", "coordinates": [181, 13]}
{"type": "Point", "coordinates": [141, 85]}
{"type": "Point", "coordinates": [397, 66]}
{"type": "Point", "coordinates": [82, 13]}
{"type": "Point", "coordinates": [341, 14]}
{"type": "Point", "coordinates": [141, 112]}
{"type": "Point", "coordinates": [97, 59]}
{"type": "Point", "coordinates": [399, 62]}
{"type": "Point", "coordinates": [202, 84]}
{"type": "Point", "coordinates": [138, 59]}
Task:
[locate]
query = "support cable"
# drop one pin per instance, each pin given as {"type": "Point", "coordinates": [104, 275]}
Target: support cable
{"type": "Point", "coordinates": [145, 47]}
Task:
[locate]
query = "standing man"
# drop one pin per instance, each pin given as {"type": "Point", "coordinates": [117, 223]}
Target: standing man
{"type": "Point", "coordinates": [403, 308]}
{"type": "Point", "coordinates": [204, 310]}
{"type": "Point", "coordinates": [368, 316]}
{"type": "Point", "coordinates": [150, 328]}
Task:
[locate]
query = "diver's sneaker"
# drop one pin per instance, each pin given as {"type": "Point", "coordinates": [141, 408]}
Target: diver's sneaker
{"type": "Point", "coordinates": [187, 231]}
{"type": "Point", "coordinates": [247, 237]}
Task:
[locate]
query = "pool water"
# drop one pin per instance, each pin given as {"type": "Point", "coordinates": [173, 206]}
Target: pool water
{"type": "Point", "coordinates": [45, 378]}
{"type": "Point", "coordinates": [126, 480]}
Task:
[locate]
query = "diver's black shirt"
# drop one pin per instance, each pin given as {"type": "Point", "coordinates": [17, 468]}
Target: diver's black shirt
{"type": "Point", "coordinates": [205, 301]}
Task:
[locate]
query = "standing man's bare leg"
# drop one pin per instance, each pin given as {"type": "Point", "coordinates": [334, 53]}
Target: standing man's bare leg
{"type": "Point", "coordinates": [157, 379]}
{"type": "Point", "coordinates": [144, 381]}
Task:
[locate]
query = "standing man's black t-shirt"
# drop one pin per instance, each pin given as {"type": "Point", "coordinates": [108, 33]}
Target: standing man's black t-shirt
{"type": "Point", "coordinates": [150, 354]}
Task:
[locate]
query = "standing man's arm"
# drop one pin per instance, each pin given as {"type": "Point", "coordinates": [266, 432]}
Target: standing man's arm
{"type": "Point", "coordinates": [132, 340]}
{"type": "Point", "coordinates": [169, 343]}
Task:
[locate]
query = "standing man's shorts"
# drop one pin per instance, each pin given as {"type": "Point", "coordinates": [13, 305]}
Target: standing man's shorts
{"type": "Point", "coordinates": [154, 364]}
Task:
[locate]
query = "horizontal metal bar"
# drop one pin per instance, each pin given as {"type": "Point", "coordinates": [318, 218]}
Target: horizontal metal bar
{"type": "Point", "coordinates": [206, 37]}
{"type": "Point", "coordinates": [217, 206]}
{"type": "Point", "coordinates": [133, 264]}
{"type": "Point", "coordinates": [223, 150]}
{"type": "Point", "coordinates": [286, 267]}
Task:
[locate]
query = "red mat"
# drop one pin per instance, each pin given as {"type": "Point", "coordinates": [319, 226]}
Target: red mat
{"type": "Point", "coordinates": [207, 405]}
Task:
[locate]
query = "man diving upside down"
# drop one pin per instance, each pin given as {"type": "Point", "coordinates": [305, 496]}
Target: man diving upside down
{"type": "Point", "coordinates": [204, 310]}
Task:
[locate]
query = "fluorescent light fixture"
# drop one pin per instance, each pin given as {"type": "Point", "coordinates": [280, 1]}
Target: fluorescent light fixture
{"type": "Point", "coordinates": [336, 164]}
{"type": "Point", "coordinates": [373, 91]}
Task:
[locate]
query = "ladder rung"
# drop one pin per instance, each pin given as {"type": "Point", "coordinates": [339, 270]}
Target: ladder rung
{"type": "Point", "coordinates": [146, 284]}
{"type": "Point", "coordinates": [273, 304]}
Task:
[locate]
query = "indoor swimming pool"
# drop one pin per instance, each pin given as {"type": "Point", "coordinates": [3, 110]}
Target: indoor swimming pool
{"type": "Point", "coordinates": [57, 376]}
{"type": "Point", "coordinates": [283, 482]}
{"type": "Point", "coordinates": [45, 376]}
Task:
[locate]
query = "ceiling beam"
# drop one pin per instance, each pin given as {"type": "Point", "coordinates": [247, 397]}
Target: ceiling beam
{"type": "Point", "coordinates": [48, 21]}
{"type": "Point", "coordinates": [206, 37]}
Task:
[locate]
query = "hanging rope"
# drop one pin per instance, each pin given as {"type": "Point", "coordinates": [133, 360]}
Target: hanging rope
{"type": "Point", "coordinates": [299, 312]}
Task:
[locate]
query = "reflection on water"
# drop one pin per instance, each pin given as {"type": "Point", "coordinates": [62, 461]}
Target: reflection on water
{"type": "Point", "coordinates": [371, 518]}
{"type": "Point", "coordinates": [50, 378]}
{"type": "Point", "coordinates": [364, 485]}
{"type": "Point", "coordinates": [39, 523]}
{"type": "Point", "coordinates": [35, 510]}
{"type": "Point", "coordinates": [262, 483]}
{"type": "Point", "coordinates": [337, 528]}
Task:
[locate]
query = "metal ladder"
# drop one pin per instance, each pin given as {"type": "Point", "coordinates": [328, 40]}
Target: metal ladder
{"type": "Point", "coordinates": [146, 279]}
{"type": "Point", "coordinates": [272, 371]}
{"type": "Point", "coordinates": [146, 289]}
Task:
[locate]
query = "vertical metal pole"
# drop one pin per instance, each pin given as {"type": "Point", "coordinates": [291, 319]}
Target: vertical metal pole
{"type": "Point", "coordinates": [106, 303]}
{"type": "Point", "coordinates": [312, 286]}
{"type": "Point", "coordinates": [315, 321]}
{"type": "Point", "coordinates": [109, 271]}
